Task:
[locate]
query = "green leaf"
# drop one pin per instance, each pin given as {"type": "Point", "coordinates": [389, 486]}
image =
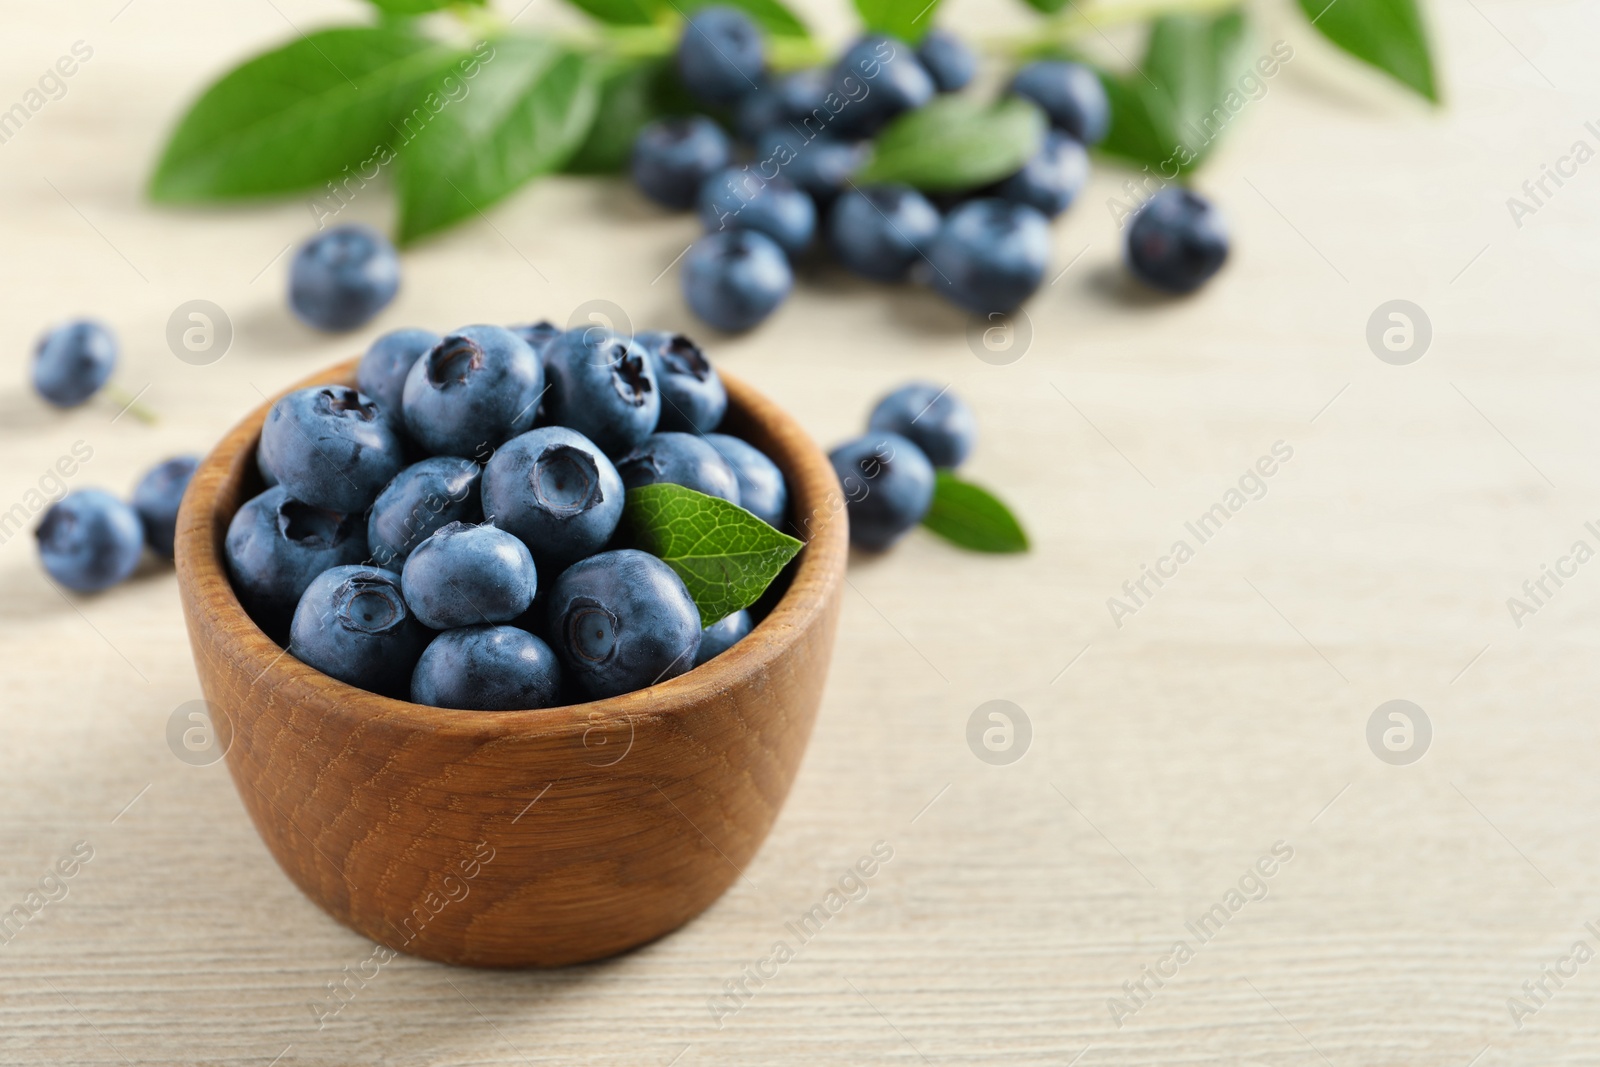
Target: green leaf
{"type": "Point", "coordinates": [418, 7]}
{"type": "Point", "coordinates": [1388, 34]}
{"type": "Point", "coordinates": [296, 116]}
{"type": "Point", "coordinates": [621, 12]}
{"type": "Point", "coordinates": [956, 142]}
{"type": "Point", "coordinates": [632, 93]}
{"type": "Point", "coordinates": [972, 517]}
{"type": "Point", "coordinates": [905, 19]}
{"type": "Point", "coordinates": [726, 556]}
{"type": "Point", "coordinates": [524, 115]}
{"type": "Point", "coordinates": [1049, 7]}
{"type": "Point", "coordinates": [770, 15]}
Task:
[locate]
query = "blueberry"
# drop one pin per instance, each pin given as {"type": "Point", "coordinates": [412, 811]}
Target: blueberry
{"type": "Point", "coordinates": [342, 277]}
{"type": "Point", "coordinates": [467, 575]}
{"type": "Point", "coordinates": [932, 418]}
{"type": "Point", "coordinates": [990, 255]}
{"type": "Point", "coordinates": [792, 99]}
{"type": "Point", "coordinates": [821, 164]}
{"type": "Point", "coordinates": [352, 623]}
{"type": "Point", "coordinates": [72, 361]}
{"type": "Point", "coordinates": [623, 621]}
{"type": "Point", "coordinates": [721, 56]}
{"type": "Point", "coordinates": [947, 59]}
{"type": "Point", "coordinates": [680, 459]}
{"type": "Point", "coordinates": [381, 374]}
{"type": "Point", "coordinates": [692, 397]}
{"type": "Point", "coordinates": [673, 157]}
{"type": "Point", "coordinates": [329, 448]}
{"type": "Point", "coordinates": [735, 279]}
{"type": "Point", "coordinates": [722, 635]}
{"type": "Point", "coordinates": [420, 499]}
{"type": "Point", "coordinates": [888, 484]}
{"type": "Point", "coordinates": [89, 540]}
{"type": "Point", "coordinates": [880, 230]}
{"type": "Point", "coordinates": [478, 387]}
{"type": "Point", "coordinates": [1070, 94]}
{"type": "Point", "coordinates": [276, 545]}
{"type": "Point", "coordinates": [736, 199]}
{"type": "Point", "coordinates": [762, 491]}
{"type": "Point", "coordinates": [878, 77]}
{"type": "Point", "coordinates": [1052, 179]}
{"type": "Point", "coordinates": [156, 499]}
{"type": "Point", "coordinates": [556, 490]}
{"type": "Point", "coordinates": [487, 668]}
{"type": "Point", "coordinates": [1176, 241]}
{"type": "Point", "coordinates": [538, 335]}
{"type": "Point", "coordinates": [603, 386]}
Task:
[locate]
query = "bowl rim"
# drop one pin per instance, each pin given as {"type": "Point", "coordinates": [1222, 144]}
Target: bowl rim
{"type": "Point", "coordinates": [217, 617]}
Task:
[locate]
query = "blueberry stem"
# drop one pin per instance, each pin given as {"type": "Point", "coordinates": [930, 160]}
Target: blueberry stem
{"type": "Point", "coordinates": [129, 403]}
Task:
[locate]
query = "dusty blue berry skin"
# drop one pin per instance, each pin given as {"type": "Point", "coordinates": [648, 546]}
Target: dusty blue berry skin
{"type": "Point", "coordinates": [556, 490]}
{"type": "Point", "coordinates": [879, 231]}
{"type": "Point", "coordinates": [156, 499]}
{"type": "Point", "coordinates": [673, 157]}
{"type": "Point", "coordinates": [538, 335]}
{"type": "Point", "coordinates": [602, 385]}
{"type": "Point", "coordinates": [762, 490]}
{"type": "Point", "coordinates": [381, 374]}
{"type": "Point", "coordinates": [888, 487]}
{"type": "Point", "coordinates": [276, 545]}
{"type": "Point", "coordinates": [990, 255]}
{"type": "Point", "coordinates": [721, 56]}
{"type": "Point", "coordinates": [722, 635]}
{"type": "Point", "coordinates": [621, 621]}
{"type": "Point", "coordinates": [680, 459]}
{"type": "Point", "coordinates": [792, 98]}
{"type": "Point", "coordinates": [693, 399]}
{"type": "Point", "coordinates": [487, 668]}
{"type": "Point", "coordinates": [352, 624]}
{"type": "Point", "coordinates": [72, 361]}
{"type": "Point", "coordinates": [893, 78]}
{"type": "Point", "coordinates": [1176, 241]}
{"type": "Point", "coordinates": [478, 387]}
{"type": "Point", "coordinates": [1070, 94]}
{"type": "Point", "coordinates": [425, 496]}
{"type": "Point", "coordinates": [1052, 179]}
{"type": "Point", "coordinates": [947, 59]}
{"type": "Point", "coordinates": [735, 279]}
{"type": "Point", "coordinates": [821, 164]}
{"type": "Point", "coordinates": [930, 417]}
{"type": "Point", "coordinates": [89, 540]}
{"type": "Point", "coordinates": [342, 277]}
{"type": "Point", "coordinates": [735, 198]}
{"type": "Point", "coordinates": [469, 575]}
{"type": "Point", "coordinates": [330, 448]}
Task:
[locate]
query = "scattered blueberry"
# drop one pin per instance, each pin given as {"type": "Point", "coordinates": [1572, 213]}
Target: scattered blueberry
{"type": "Point", "coordinates": [342, 277]}
{"type": "Point", "coordinates": [421, 498]}
{"type": "Point", "coordinates": [381, 374]}
{"type": "Point", "coordinates": [721, 55]}
{"type": "Point", "coordinates": [793, 99]}
{"type": "Point", "coordinates": [89, 540]}
{"type": "Point", "coordinates": [1052, 179]}
{"type": "Point", "coordinates": [893, 79]}
{"type": "Point", "coordinates": [679, 459]}
{"type": "Point", "coordinates": [352, 623]}
{"type": "Point", "coordinates": [329, 448]}
{"type": "Point", "coordinates": [692, 397]}
{"type": "Point", "coordinates": [478, 387]}
{"type": "Point", "coordinates": [1070, 94]}
{"type": "Point", "coordinates": [673, 157]}
{"type": "Point", "coordinates": [603, 386]}
{"type": "Point", "coordinates": [72, 361]}
{"type": "Point", "coordinates": [553, 488]}
{"type": "Point", "coordinates": [736, 199]}
{"type": "Point", "coordinates": [722, 635]}
{"type": "Point", "coordinates": [623, 621]}
{"type": "Point", "coordinates": [276, 545]}
{"type": "Point", "coordinates": [989, 255]}
{"type": "Point", "coordinates": [930, 417]}
{"type": "Point", "coordinates": [820, 163]}
{"type": "Point", "coordinates": [156, 499]}
{"type": "Point", "coordinates": [735, 279]}
{"type": "Point", "coordinates": [947, 59]}
{"type": "Point", "coordinates": [888, 486]}
{"type": "Point", "coordinates": [468, 575]}
{"type": "Point", "coordinates": [1176, 241]}
{"type": "Point", "coordinates": [762, 491]}
{"type": "Point", "coordinates": [880, 230]}
{"type": "Point", "coordinates": [487, 668]}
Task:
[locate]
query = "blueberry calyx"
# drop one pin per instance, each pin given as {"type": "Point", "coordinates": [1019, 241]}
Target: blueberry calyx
{"type": "Point", "coordinates": [453, 361]}
{"type": "Point", "coordinates": [368, 604]}
{"type": "Point", "coordinates": [591, 631]}
{"type": "Point", "coordinates": [312, 527]}
{"type": "Point", "coordinates": [683, 356]}
{"type": "Point", "coordinates": [344, 401]}
{"type": "Point", "coordinates": [631, 379]}
{"type": "Point", "coordinates": [55, 532]}
{"type": "Point", "coordinates": [565, 480]}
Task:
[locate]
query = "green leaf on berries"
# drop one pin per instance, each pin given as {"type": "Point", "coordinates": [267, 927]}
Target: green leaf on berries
{"type": "Point", "coordinates": [770, 15]}
{"type": "Point", "coordinates": [1388, 34]}
{"type": "Point", "coordinates": [905, 19]}
{"type": "Point", "coordinates": [632, 93]}
{"type": "Point", "coordinates": [621, 12]}
{"type": "Point", "coordinates": [294, 117]}
{"type": "Point", "coordinates": [525, 114]}
{"type": "Point", "coordinates": [418, 7]}
{"type": "Point", "coordinates": [956, 143]}
{"type": "Point", "coordinates": [972, 517]}
{"type": "Point", "coordinates": [726, 556]}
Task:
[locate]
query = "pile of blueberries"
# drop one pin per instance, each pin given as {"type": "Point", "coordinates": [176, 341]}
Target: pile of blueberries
{"type": "Point", "coordinates": [448, 532]}
{"type": "Point", "coordinates": [804, 134]}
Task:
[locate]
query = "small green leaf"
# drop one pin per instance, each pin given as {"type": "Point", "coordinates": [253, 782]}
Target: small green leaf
{"type": "Point", "coordinates": [621, 12]}
{"type": "Point", "coordinates": [1049, 7]}
{"type": "Point", "coordinates": [418, 7]}
{"type": "Point", "coordinates": [294, 117]}
{"type": "Point", "coordinates": [956, 143]}
{"type": "Point", "coordinates": [905, 19]}
{"type": "Point", "coordinates": [632, 93]}
{"type": "Point", "coordinates": [972, 517]}
{"type": "Point", "coordinates": [726, 556]}
{"type": "Point", "coordinates": [1388, 34]}
{"type": "Point", "coordinates": [524, 115]}
{"type": "Point", "coordinates": [770, 15]}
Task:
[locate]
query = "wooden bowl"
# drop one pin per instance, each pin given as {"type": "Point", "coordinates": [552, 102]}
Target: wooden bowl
{"type": "Point", "coordinates": [524, 838]}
